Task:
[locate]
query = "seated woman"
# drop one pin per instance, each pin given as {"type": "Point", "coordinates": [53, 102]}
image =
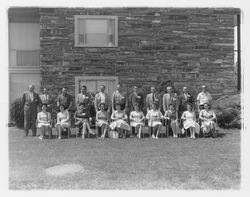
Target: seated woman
{"type": "Point", "coordinates": [119, 118]}
{"type": "Point", "coordinates": [63, 120]}
{"type": "Point", "coordinates": [136, 117]}
{"type": "Point", "coordinates": [154, 117]}
{"type": "Point", "coordinates": [102, 120]}
{"type": "Point", "coordinates": [208, 119]}
{"type": "Point", "coordinates": [172, 117]}
{"type": "Point", "coordinates": [43, 121]}
{"type": "Point", "coordinates": [81, 117]}
{"type": "Point", "coordinates": [189, 121]}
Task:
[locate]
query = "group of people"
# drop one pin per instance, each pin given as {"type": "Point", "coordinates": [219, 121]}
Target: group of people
{"type": "Point", "coordinates": [121, 115]}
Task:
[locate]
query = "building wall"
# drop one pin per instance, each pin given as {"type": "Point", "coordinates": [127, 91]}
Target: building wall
{"type": "Point", "coordinates": [188, 47]}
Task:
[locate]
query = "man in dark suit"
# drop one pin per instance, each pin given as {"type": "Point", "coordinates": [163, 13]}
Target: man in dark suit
{"type": "Point", "coordinates": [136, 97]}
{"type": "Point", "coordinates": [65, 99]}
{"type": "Point", "coordinates": [152, 98]}
{"type": "Point", "coordinates": [83, 97]}
{"type": "Point", "coordinates": [47, 99]}
{"type": "Point", "coordinates": [119, 96]}
{"type": "Point", "coordinates": [184, 98]}
{"type": "Point", "coordinates": [30, 102]}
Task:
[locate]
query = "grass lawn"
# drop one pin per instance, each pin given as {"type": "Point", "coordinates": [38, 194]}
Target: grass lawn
{"type": "Point", "coordinates": [167, 163]}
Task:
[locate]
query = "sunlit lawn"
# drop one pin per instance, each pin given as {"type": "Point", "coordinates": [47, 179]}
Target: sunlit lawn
{"type": "Point", "coordinates": [167, 163]}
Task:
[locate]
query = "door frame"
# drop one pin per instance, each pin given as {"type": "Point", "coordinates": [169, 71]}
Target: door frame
{"type": "Point", "coordinates": [94, 78]}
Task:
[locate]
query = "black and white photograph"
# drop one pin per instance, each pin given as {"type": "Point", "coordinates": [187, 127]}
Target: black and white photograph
{"type": "Point", "coordinates": [125, 97]}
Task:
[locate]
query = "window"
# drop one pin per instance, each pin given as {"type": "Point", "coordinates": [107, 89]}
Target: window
{"type": "Point", "coordinates": [24, 44]}
{"type": "Point", "coordinates": [96, 31]}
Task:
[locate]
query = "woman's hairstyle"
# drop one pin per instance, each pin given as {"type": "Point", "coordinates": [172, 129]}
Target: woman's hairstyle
{"type": "Point", "coordinates": [207, 105]}
{"type": "Point", "coordinates": [189, 105]}
{"type": "Point", "coordinates": [61, 105]}
{"type": "Point", "coordinates": [136, 104]}
{"type": "Point", "coordinates": [118, 104]}
{"type": "Point", "coordinates": [82, 104]}
{"type": "Point", "coordinates": [101, 105]}
{"type": "Point", "coordinates": [44, 104]}
{"type": "Point", "coordinates": [171, 105]}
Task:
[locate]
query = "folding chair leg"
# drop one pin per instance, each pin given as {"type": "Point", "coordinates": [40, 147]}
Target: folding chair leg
{"type": "Point", "coordinates": [68, 132]}
{"type": "Point", "coordinates": [167, 131]}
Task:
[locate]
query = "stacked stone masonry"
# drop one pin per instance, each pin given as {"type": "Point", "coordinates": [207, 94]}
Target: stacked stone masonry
{"type": "Point", "coordinates": [189, 47]}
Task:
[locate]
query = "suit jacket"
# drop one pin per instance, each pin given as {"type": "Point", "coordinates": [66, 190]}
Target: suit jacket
{"type": "Point", "coordinates": [183, 101]}
{"type": "Point", "coordinates": [133, 98]}
{"type": "Point", "coordinates": [28, 104]}
{"type": "Point", "coordinates": [87, 100]}
{"type": "Point", "coordinates": [48, 100]}
{"type": "Point", "coordinates": [98, 101]}
{"type": "Point", "coordinates": [150, 100]}
{"type": "Point", "coordinates": [170, 99]}
{"type": "Point", "coordinates": [119, 98]}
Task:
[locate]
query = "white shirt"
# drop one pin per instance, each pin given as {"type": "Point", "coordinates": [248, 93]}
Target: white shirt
{"type": "Point", "coordinates": [31, 96]}
{"type": "Point", "coordinates": [102, 95]}
{"type": "Point", "coordinates": [204, 97]}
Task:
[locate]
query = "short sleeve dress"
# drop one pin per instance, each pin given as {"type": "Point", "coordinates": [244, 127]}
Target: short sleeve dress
{"type": "Point", "coordinates": [137, 116]}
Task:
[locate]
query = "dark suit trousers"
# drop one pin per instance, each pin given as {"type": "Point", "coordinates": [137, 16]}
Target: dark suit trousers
{"type": "Point", "coordinates": [30, 115]}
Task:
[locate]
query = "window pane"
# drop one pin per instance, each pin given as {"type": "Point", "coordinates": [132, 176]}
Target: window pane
{"type": "Point", "coordinates": [96, 32]}
{"type": "Point", "coordinates": [27, 58]}
{"type": "Point", "coordinates": [24, 44]}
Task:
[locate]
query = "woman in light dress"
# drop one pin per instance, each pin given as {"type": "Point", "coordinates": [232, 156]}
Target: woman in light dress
{"type": "Point", "coordinates": [119, 118]}
{"type": "Point", "coordinates": [189, 121]}
{"type": "Point", "coordinates": [63, 120]}
{"type": "Point", "coordinates": [208, 121]}
{"type": "Point", "coordinates": [136, 117]}
{"type": "Point", "coordinates": [154, 117]}
{"type": "Point", "coordinates": [172, 117]}
{"type": "Point", "coordinates": [102, 120]}
{"type": "Point", "coordinates": [43, 121]}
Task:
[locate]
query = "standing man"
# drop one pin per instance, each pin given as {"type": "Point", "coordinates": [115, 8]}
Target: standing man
{"type": "Point", "coordinates": [102, 97]}
{"type": "Point", "coordinates": [203, 97]}
{"type": "Point", "coordinates": [119, 97]}
{"type": "Point", "coordinates": [135, 97]}
{"type": "Point", "coordinates": [184, 99]}
{"type": "Point", "coordinates": [83, 97]}
{"type": "Point", "coordinates": [151, 98]}
{"type": "Point", "coordinates": [46, 98]}
{"type": "Point", "coordinates": [30, 102]}
{"type": "Point", "coordinates": [170, 98]}
{"type": "Point", "coordinates": [64, 99]}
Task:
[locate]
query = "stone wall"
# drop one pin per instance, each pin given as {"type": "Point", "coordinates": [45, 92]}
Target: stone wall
{"type": "Point", "coordinates": [185, 46]}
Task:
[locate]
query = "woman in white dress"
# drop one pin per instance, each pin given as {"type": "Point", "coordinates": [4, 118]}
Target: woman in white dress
{"type": "Point", "coordinates": [189, 121]}
{"type": "Point", "coordinates": [172, 117]}
{"type": "Point", "coordinates": [119, 118]}
{"type": "Point", "coordinates": [136, 120]}
{"type": "Point", "coordinates": [63, 120]}
{"type": "Point", "coordinates": [43, 121]}
{"type": "Point", "coordinates": [102, 120]}
{"type": "Point", "coordinates": [154, 117]}
{"type": "Point", "coordinates": [208, 120]}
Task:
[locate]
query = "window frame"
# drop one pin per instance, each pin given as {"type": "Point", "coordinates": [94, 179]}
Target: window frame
{"type": "Point", "coordinates": [93, 17]}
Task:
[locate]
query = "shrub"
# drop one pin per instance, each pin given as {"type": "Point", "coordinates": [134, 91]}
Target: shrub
{"type": "Point", "coordinates": [16, 113]}
{"type": "Point", "coordinates": [228, 111]}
